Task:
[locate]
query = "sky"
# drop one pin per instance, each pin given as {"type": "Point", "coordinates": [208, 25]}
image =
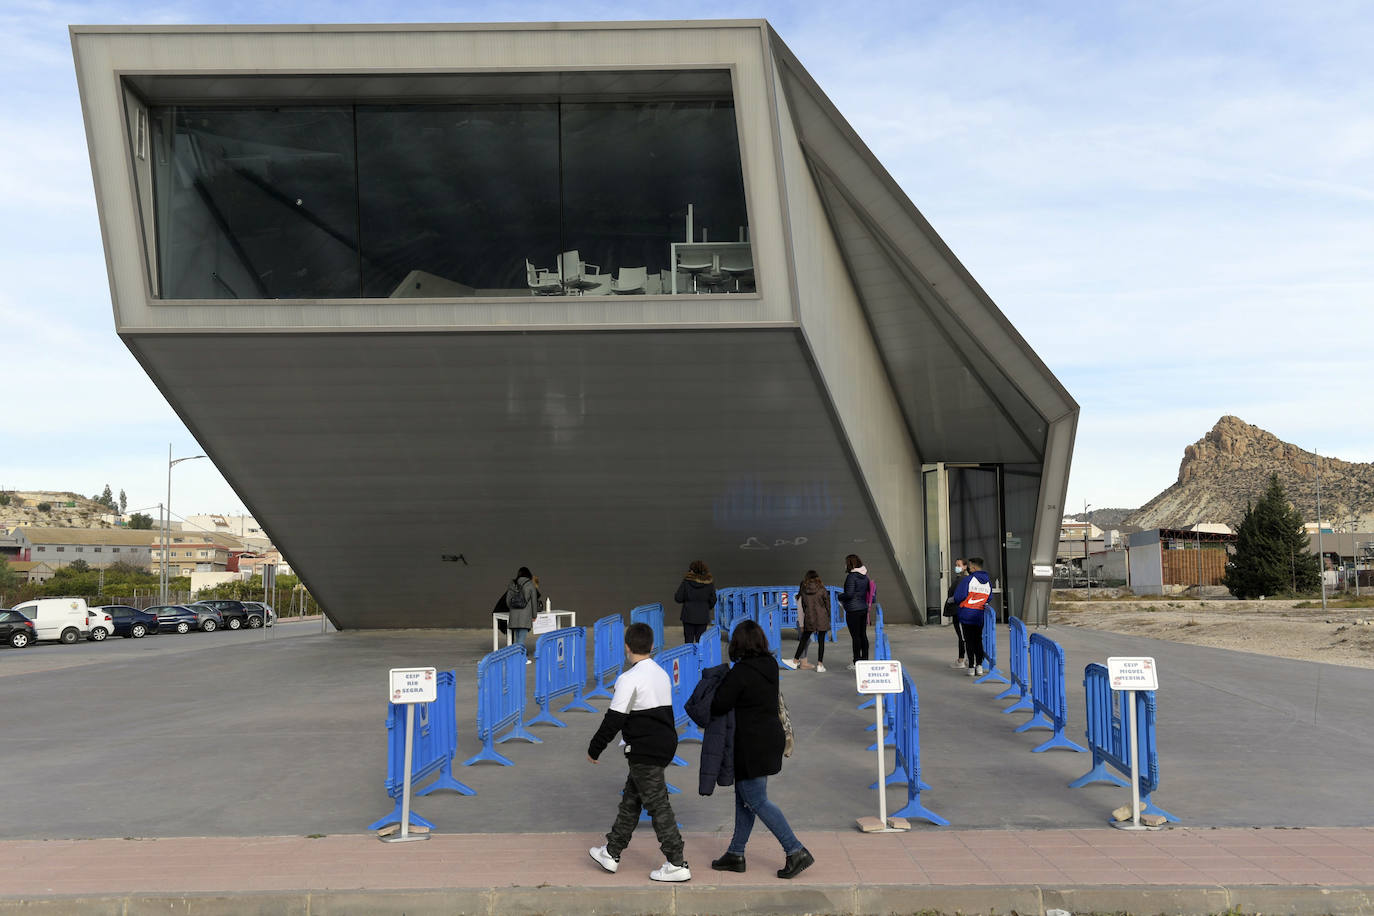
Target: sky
{"type": "Point", "coordinates": [1172, 202]}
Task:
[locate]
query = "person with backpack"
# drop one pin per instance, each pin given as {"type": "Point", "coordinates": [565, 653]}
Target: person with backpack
{"type": "Point", "coordinates": [697, 595]}
{"type": "Point", "coordinates": [971, 598]}
{"type": "Point", "coordinates": [855, 602]}
{"type": "Point", "coordinates": [522, 601]}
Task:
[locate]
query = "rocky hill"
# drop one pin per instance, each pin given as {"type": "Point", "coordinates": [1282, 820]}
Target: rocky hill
{"type": "Point", "coordinates": [1232, 464]}
{"type": "Point", "coordinates": [64, 510]}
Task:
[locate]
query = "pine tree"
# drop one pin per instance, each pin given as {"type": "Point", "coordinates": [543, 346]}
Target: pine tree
{"type": "Point", "coordinates": [1272, 556]}
{"type": "Point", "coordinates": [123, 502]}
{"type": "Point", "coordinates": [107, 498]}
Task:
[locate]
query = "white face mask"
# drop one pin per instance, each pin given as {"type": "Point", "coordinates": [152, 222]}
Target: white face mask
{"type": "Point", "coordinates": [958, 569]}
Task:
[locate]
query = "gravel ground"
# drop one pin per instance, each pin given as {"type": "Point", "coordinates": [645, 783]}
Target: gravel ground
{"type": "Point", "coordinates": [1341, 636]}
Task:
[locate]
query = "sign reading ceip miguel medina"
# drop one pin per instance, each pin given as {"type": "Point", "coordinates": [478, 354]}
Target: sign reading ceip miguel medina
{"type": "Point", "coordinates": [413, 685]}
{"type": "Point", "coordinates": [1133, 673]}
{"type": "Point", "coordinates": [878, 676]}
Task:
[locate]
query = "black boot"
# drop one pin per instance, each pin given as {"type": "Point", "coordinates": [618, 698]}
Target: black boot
{"type": "Point", "coordinates": [728, 862]}
{"type": "Point", "coordinates": [797, 863]}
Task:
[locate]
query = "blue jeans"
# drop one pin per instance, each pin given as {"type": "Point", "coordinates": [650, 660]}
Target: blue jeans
{"type": "Point", "coordinates": [751, 799]}
{"type": "Point", "coordinates": [518, 634]}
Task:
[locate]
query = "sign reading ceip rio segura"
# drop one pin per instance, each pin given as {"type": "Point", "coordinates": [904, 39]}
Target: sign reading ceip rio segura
{"type": "Point", "coordinates": [1133, 673]}
{"type": "Point", "coordinates": [413, 685]}
{"type": "Point", "coordinates": [878, 676]}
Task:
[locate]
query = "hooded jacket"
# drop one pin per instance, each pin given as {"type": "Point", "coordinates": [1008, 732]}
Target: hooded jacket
{"type": "Point", "coordinates": [971, 596]}
{"type": "Point", "coordinates": [751, 690]}
{"type": "Point", "coordinates": [814, 603]}
{"type": "Point", "coordinates": [697, 595]}
{"type": "Point", "coordinates": [718, 742]}
{"type": "Point", "coordinates": [855, 595]}
{"type": "Point", "coordinates": [522, 618]}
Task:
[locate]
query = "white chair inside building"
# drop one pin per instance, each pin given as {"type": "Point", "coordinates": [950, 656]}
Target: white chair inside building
{"type": "Point", "coordinates": [630, 281]}
{"type": "Point", "coordinates": [738, 267]}
{"type": "Point", "coordinates": [696, 266]}
{"type": "Point", "coordinates": [578, 275]}
{"type": "Point", "coordinates": [542, 282]}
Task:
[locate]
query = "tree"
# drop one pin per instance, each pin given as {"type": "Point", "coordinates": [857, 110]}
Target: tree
{"type": "Point", "coordinates": [45, 507]}
{"type": "Point", "coordinates": [4, 499]}
{"type": "Point", "coordinates": [1272, 556]}
{"type": "Point", "coordinates": [79, 566]}
{"type": "Point", "coordinates": [123, 502]}
{"type": "Point", "coordinates": [141, 521]}
{"type": "Point", "coordinates": [106, 498]}
{"type": "Point", "coordinates": [8, 577]}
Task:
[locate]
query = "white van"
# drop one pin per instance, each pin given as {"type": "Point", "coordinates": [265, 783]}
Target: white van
{"type": "Point", "coordinates": [62, 619]}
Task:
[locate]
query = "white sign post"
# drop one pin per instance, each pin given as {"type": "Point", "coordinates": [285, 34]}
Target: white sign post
{"type": "Point", "coordinates": [1129, 675]}
{"type": "Point", "coordinates": [409, 686]}
{"type": "Point", "coordinates": [880, 677]}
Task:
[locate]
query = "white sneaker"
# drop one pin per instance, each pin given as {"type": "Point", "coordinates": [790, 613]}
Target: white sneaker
{"type": "Point", "coordinates": [978, 671]}
{"type": "Point", "coordinates": [850, 666]}
{"type": "Point", "coordinates": [958, 663]}
{"type": "Point", "coordinates": [972, 672]}
{"type": "Point", "coordinates": [820, 668]}
{"type": "Point", "coordinates": [670, 872]}
{"type": "Point", "coordinates": [790, 663]}
{"type": "Point", "coordinates": [604, 858]}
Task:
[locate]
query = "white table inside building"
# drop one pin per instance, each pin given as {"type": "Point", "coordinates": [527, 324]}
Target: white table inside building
{"type": "Point", "coordinates": [561, 619]}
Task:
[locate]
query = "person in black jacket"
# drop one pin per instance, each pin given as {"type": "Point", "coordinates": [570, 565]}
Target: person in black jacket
{"type": "Point", "coordinates": [751, 691]}
{"type": "Point", "coordinates": [642, 710]}
{"type": "Point", "coordinates": [854, 601]}
{"type": "Point", "coordinates": [697, 595]}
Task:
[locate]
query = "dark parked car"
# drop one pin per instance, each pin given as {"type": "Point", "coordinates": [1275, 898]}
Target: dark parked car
{"type": "Point", "coordinates": [16, 629]}
{"type": "Point", "coordinates": [257, 611]}
{"type": "Point", "coordinates": [232, 613]}
{"type": "Point", "coordinates": [130, 622]}
{"type": "Point", "coordinates": [178, 618]}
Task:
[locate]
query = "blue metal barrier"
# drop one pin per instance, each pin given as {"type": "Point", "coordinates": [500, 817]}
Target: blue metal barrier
{"type": "Point", "coordinates": [1109, 738]}
{"type": "Point", "coordinates": [608, 653]}
{"type": "Point", "coordinates": [500, 702]}
{"type": "Point", "coordinates": [881, 651]}
{"type": "Point", "coordinates": [1047, 693]}
{"type": "Point", "coordinates": [837, 618]}
{"type": "Point", "coordinates": [433, 746]}
{"type": "Point", "coordinates": [908, 770]}
{"type": "Point", "coordinates": [708, 647]}
{"type": "Point", "coordinates": [740, 618]}
{"type": "Point", "coordinates": [652, 614]}
{"type": "Point", "coordinates": [1016, 667]}
{"type": "Point", "coordinates": [560, 668]}
{"type": "Point", "coordinates": [683, 665]}
{"type": "Point", "coordinates": [770, 618]}
{"type": "Point", "coordinates": [990, 648]}
{"type": "Point", "coordinates": [727, 605]}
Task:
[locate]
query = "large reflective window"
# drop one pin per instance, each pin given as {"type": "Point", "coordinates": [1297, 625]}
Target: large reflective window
{"type": "Point", "coordinates": [547, 184]}
{"type": "Point", "coordinates": [256, 203]}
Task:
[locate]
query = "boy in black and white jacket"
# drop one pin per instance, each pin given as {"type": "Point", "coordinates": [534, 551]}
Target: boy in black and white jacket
{"type": "Point", "coordinates": [642, 711]}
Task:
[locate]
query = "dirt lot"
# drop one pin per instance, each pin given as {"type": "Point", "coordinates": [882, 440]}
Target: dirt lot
{"type": "Point", "coordinates": [1341, 636]}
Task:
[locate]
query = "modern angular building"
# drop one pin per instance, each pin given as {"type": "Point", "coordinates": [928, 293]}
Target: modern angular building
{"type": "Point", "coordinates": [594, 298]}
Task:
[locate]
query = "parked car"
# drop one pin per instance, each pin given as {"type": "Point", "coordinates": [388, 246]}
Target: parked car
{"type": "Point", "coordinates": [258, 612]}
{"type": "Point", "coordinates": [100, 622]}
{"type": "Point", "coordinates": [232, 613]}
{"type": "Point", "coordinates": [130, 622]}
{"type": "Point", "coordinates": [62, 619]}
{"type": "Point", "coordinates": [16, 629]}
{"type": "Point", "coordinates": [175, 617]}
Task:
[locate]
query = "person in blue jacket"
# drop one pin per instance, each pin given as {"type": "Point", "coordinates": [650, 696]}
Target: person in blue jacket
{"type": "Point", "coordinates": [854, 601]}
{"type": "Point", "coordinates": [970, 598]}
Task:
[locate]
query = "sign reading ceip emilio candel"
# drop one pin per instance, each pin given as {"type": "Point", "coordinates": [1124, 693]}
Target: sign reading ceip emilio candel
{"type": "Point", "coordinates": [413, 685]}
{"type": "Point", "coordinates": [878, 677]}
{"type": "Point", "coordinates": [1133, 673]}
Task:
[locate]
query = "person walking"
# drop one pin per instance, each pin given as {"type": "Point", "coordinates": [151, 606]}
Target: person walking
{"type": "Point", "coordinates": [642, 711]}
{"type": "Point", "coordinates": [854, 601]}
{"type": "Point", "coordinates": [813, 612]}
{"type": "Point", "coordinates": [750, 691]}
{"type": "Point", "coordinates": [971, 597]}
{"type": "Point", "coordinates": [697, 595]}
{"type": "Point", "coordinates": [522, 601]}
{"type": "Point", "coordinates": [952, 610]}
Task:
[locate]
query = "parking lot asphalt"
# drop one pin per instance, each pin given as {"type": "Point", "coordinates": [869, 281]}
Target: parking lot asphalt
{"type": "Point", "coordinates": [282, 734]}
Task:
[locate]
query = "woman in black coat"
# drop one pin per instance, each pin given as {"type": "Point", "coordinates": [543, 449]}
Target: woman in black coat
{"type": "Point", "coordinates": [751, 691]}
{"type": "Point", "coordinates": [697, 595]}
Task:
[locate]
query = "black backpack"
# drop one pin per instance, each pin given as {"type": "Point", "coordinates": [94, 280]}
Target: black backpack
{"type": "Point", "coordinates": [515, 595]}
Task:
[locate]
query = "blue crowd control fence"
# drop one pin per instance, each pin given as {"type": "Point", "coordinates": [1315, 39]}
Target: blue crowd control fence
{"type": "Point", "coordinates": [785, 598]}
{"type": "Point", "coordinates": [433, 746]}
{"type": "Point", "coordinates": [1109, 738]}
{"type": "Point", "coordinates": [560, 669]}
{"type": "Point", "coordinates": [770, 618]}
{"type": "Point", "coordinates": [708, 648]}
{"type": "Point", "coordinates": [837, 618]}
{"type": "Point", "coordinates": [500, 703]}
{"type": "Point", "coordinates": [652, 614]}
{"type": "Point", "coordinates": [1047, 693]}
{"type": "Point", "coordinates": [907, 727]}
{"type": "Point", "coordinates": [740, 618]}
{"type": "Point", "coordinates": [729, 602]}
{"type": "Point", "coordinates": [881, 650]}
{"type": "Point", "coordinates": [683, 665]}
{"type": "Point", "coordinates": [1016, 667]}
{"type": "Point", "coordinates": [991, 672]}
{"type": "Point", "coordinates": [608, 653]}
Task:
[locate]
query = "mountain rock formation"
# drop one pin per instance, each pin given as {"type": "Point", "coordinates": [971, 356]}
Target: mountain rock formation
{"type": "Point", "coordinates": [1231, 465]}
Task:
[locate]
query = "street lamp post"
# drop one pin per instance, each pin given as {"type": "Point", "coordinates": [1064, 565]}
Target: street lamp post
{"type": "Point", "coordinates": [1321, 557]}
{"type": "Point", "coordinates": [167, 525]}
{"type": "Point", "coordinates": [1087, 530]}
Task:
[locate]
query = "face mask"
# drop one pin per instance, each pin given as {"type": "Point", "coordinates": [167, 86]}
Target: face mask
{"type": "Point", "coordinates": [958, 569]}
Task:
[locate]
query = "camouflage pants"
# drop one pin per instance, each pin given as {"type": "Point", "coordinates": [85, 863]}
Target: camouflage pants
{"type": "Point", "coordinates": [645, 787]}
